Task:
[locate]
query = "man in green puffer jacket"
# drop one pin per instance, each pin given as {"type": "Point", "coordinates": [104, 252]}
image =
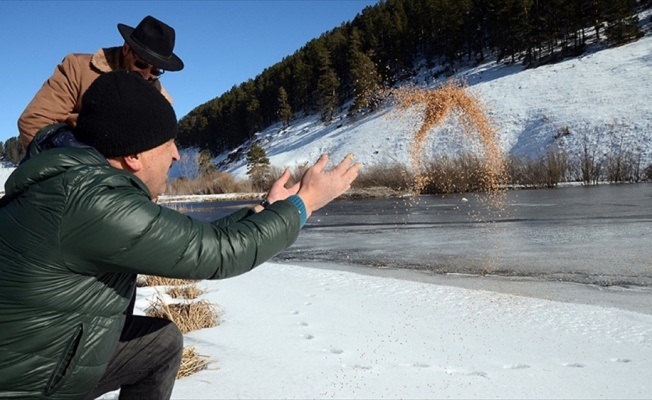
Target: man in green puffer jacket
{"type": "Point", "coordinates": [77, 224]}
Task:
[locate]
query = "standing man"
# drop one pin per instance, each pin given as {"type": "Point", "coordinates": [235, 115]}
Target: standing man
{"type": "Point", "coordinates": [77, 225]}
{"type": "Point", "coordinates": [148, 50]}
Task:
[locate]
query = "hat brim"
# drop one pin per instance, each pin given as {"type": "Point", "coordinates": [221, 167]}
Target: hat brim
{"type": "Point", "coordinates": [173, 63]}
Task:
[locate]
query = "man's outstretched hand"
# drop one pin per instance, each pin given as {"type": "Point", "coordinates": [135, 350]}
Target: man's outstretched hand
{"type": "Point", "coordinates": [319, 187]}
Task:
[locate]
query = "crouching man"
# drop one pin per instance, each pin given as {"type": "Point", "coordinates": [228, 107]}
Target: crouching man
{"type": "Point", "coordinates": [77, 224]}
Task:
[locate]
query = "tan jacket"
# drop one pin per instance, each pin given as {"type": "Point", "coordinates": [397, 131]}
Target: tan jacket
{"type": "Point", "coordinates": [59, 99]}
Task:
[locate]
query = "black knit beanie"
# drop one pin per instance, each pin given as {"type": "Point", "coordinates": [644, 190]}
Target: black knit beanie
{"type": "Point", "coordinates": [123, 114]}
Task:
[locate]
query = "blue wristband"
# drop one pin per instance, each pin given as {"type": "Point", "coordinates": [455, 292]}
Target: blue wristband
{"type": "Point", "coordinates": [296, 200]}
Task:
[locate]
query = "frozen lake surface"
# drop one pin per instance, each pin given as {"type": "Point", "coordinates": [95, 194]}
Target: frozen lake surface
{"type": "Point", "coordinates": [594, 242]}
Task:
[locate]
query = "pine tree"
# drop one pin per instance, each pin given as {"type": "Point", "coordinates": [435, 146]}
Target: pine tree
{"type": "Point", "coordinates": [284, 112]}
{"type": "Point", "coordinates": [301, 84]}
{"type": "Point", "coordinates": [257, 165]}
{"type": "Point", "coordinates": [205, 163]}
{"type": "Point", "coordinates": [622, 22]}
{"type": "Point", "coordinates": [328, 85]}
{"type": "Point", "coordinates": [14, 151]}
{"type": "Point", "coordinates": [364, 76]}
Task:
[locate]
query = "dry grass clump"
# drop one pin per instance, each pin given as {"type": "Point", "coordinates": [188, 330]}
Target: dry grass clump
{"type": "Point", "coordinates": [187, 316]}
{"type": "Point", "coordinates": [191, 362]}
{"type": "Point", "coordinates": [460, 174]}
{"type": "Point", "coordinates": [153, 280]}
{"type": "Point", "coordinates": [395, 176]}
{"type": "Point", "coordinates": [214, 182]}
{"type": "Point", "coordinates": [188, 292]}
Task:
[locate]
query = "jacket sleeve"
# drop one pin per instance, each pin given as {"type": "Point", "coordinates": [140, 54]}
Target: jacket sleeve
{"type": "Point", "coordinates": [55, 100]}
{"type": "Point", "coordinates": [121, 230]}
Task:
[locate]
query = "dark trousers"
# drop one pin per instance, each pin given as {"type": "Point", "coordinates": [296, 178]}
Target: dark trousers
{"type": "Point", "coordinates": [146, 361]}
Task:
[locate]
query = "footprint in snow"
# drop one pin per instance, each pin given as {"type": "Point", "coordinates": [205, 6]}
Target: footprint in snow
{"type": "Point", "coordinates": [574, 365]}
{"type": "Point", "coordinates": [481, 374]}
{"type": "Point", "coordinates": [416, 365]}
{"type": "Point", "coordinates": [516, 366]}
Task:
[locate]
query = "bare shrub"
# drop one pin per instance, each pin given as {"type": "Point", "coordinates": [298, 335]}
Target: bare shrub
{"type": "Point", "coordinates": [545, 172]}
{"type": "Point", "coordinates": [394, 176]}
{"type": "Point", "coordinates": [465, 173]}
{"type": "Point", "coordinates": [647, 173]}
{"type": "Point", "coordinates": [638, 172]}
{"type": "Point", "coordinates": [191, 362]}
{"type": "Point", "coordinates": [619, 167]}
{"type": "Point", "coordinates": [187, 316]}
{"type": "Point", "coordinates": [588, 165]}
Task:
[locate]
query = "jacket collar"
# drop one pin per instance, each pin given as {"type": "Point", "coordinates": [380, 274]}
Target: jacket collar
{"type": "Point", "coordinates": [108, 59]}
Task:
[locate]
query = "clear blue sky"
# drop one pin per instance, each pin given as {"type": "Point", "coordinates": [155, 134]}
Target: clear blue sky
{"type": "Point", "coordinates": [222, 43]}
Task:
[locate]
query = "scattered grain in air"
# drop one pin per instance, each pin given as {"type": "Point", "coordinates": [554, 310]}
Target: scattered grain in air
{"type": "Point", "coordinates": [434, 105]}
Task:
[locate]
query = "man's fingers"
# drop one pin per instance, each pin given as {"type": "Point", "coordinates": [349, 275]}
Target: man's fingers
{"type": "Point", "coordinates": [285, 177]}
{"type": "Point", "coordinates": [344, 164]}
{"type": "Point", "coordinates": [321, 163]}
{"type": "Point", "coordinates": [352, 172]}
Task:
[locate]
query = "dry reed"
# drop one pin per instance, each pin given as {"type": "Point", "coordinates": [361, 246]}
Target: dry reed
{"type": "Point", "coordinates": [188, 292]}
{"type": "Point", "coordinates": [191, 362]}
{"type": "Point", "coordinates": [187, 316]}
{"type": "Point", "coordinates": [153, 280]}
{"type": "Point", "coordinates": [216, 182]}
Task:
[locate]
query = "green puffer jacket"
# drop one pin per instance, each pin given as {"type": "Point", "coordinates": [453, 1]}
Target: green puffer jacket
{"type": "Point", "coordinates": [74, 233]}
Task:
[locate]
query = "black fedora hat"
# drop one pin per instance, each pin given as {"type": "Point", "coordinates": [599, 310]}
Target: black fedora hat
{"type": "Point", "coordinates": [153, 41]}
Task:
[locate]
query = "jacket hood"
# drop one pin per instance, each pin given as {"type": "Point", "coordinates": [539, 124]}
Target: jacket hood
{"type": "Point", "coordinates": [53, 151]}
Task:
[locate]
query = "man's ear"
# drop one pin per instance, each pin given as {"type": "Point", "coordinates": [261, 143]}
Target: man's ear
{"type": "Point", "coordinates": [133, 162]}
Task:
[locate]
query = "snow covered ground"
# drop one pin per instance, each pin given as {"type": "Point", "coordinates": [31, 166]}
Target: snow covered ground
{"type": "Point", "coordinates": [298, 333]}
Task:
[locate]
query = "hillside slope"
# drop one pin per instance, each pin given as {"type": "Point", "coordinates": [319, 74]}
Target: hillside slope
{"type": "Point", "coordinates": [600, 101]}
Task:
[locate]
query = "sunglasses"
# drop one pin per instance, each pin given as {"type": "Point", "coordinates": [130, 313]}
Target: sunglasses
{"type": "Point", "coordinates": [141, 65]}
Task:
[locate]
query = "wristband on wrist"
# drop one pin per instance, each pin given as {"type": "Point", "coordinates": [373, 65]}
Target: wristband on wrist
{"type": "Point", "coordinates": [301, 207]}
{"type": "Point", "coordinates": [264, 203]}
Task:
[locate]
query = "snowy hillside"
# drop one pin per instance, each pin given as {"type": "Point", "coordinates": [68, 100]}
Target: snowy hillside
{"type": "Point", "coordinates": [599, 101]}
